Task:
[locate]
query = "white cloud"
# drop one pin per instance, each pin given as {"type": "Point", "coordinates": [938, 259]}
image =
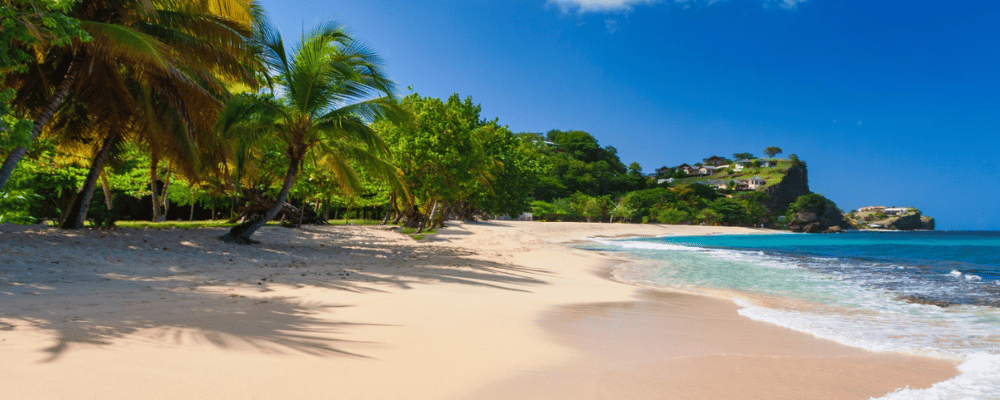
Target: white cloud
{"type": "Point", "coordinates": [617, 5]}
{"type": "Point", "coordinates": [599, 5]}
{"type": "Point", "coordinates": [786, 4]}
{"type": "Point", "coordinates": [612, 25]}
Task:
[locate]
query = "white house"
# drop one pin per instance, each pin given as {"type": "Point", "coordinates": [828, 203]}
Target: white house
{"type": "Point", "coordinates": [897, 210]}
{"type": "Point", "coordinates": [715, 183]}
{"type": "Point", "coordinates": [711, 170]}
{"type": "Point", "coordinates": [756, 183]}
{"type": "Point", "coordinates": [746, 163]}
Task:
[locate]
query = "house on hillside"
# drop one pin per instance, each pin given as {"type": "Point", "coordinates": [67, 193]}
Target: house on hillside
{"type": "Point", "coordinates": [872, 209]}
{"type": "Point", "coordinates": [664, 171]}
{"type": "Point", "coordinates": [895, 211]}
{"type": "Point", "coordinates": [710, 170]}
{"type": "Point", "coordinates": [698, 171]}
{"type": "Point", "coordinates": [756, 183]}
{"type": "Point", "coordinates": [714, 161]}
{"type": "Point", "coordinates": [715, 183]}
{"type": "Point", "coordinates": [668, 180]}
{"type": "Point", "coordinates": [739, 165]}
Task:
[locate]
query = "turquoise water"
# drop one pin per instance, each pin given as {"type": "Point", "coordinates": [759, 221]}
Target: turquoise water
{"type": "Point", "coordinates": [928, 293]}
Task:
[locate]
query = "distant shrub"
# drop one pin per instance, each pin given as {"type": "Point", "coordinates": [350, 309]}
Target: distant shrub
{"type": "Point", "coordinates": [672, 216]}
{"type": "Point", "coordinates": [814, 203]}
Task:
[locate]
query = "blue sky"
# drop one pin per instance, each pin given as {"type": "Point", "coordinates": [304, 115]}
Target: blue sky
{"type": "Point", "coordinates": [889, 102]}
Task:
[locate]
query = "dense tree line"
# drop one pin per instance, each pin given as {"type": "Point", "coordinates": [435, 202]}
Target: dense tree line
{"type": "Point", "coordinates": [157, 109]}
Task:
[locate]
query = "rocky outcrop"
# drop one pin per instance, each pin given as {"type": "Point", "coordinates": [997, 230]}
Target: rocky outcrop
{"type": "Point", "coordinates": [907, 223]}
{"type": "Point", "coordinates": [913, 220]}
{"type": "Point", "coordinates": [928, 223]}
{"type": "Point", "coordinates": [830, 222]}
{"type": "Point", "coordinates": [794, 184]}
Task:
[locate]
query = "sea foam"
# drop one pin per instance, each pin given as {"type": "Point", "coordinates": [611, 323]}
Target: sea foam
{"type": "Point", "coordinates": [964, 333]}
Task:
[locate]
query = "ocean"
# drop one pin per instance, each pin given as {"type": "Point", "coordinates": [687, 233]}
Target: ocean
{"type": "Point", "coordinates": [927, 293]}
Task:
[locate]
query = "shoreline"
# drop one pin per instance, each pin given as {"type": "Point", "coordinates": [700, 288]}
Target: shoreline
{"type": "Point", "coordinates": [358, 312]}
{"type": "Point", "coordinates": [794, 364]}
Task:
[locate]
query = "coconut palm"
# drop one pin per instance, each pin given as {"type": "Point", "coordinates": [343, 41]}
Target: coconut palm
{"type": "Point", "coordinates": [152, 72]}
{"type": "Point", "coordinates": [330, 88]}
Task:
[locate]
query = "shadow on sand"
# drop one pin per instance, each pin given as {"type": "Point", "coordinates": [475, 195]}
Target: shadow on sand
{"type": "Point", "coordinates": [184, 286]}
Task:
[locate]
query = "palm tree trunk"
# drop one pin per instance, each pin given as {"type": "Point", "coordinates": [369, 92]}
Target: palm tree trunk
{"type": "Point", "coordinates": [15, 156]}
{"type": "Point", "coordinates": [240, 234]}
{"type": "Point", "coordinates": [389, 209]}
{"type": "Point", "coordinates": [108, 199]}
{"type": "Point", "coordinates": [423, 224]}
{"type": "Point", "coordinates": [78, 211]}
{"type": "Point", "coordinates": [164, 201]}
{"type": "Point", "coordinates": [153, 166]}
{"type": "Point", "coordinates": [399, 217]}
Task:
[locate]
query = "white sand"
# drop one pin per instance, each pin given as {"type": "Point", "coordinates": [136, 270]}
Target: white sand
{"type": "Point", "coordinates": [364, 313]}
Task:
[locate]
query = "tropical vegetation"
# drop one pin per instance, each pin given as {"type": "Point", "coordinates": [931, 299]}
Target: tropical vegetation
{"type": "Point", "coordinates": [124, 111]}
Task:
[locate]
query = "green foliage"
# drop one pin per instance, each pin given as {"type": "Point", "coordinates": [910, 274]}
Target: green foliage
{"type": "Point", "coordinates": [743, 156]}
{"type": "Point", "coordinates": [27, 26]}
{"type": "Point", "coordinates": [673, 216]}
{"type": "Point", "coordinates": [577, 163]}
{"type": "Point", "coordinates": [814, 203]}
{"type": "Point", "coordinates": [564, 209]}
{"type": "Point", "coordinates": [796, 161]}
{"type": "Point", "coordinates": [176, 224]}
{"type": "Point", "coordinates": [515, 176]}
{"type": "Point", "coordinates": [412, 232]}
{"type": "Point", "coordinates": [442, 150]}
{"type": "Point", "coordinates": [772, 151]}
{"type": "Point", "coordinates": [642, 202]}
{"type": "Point", "coordinates": [591, 208]}
{"type": "Point", "coordinates": [16, 205]}
{"type": "Point", "coordinates": [729, 211]}
{"type": "Point", "coordinates": [449, 154]}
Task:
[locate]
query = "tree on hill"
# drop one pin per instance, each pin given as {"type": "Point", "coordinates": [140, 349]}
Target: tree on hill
{"type": "Point", "coordinates": [814, 203]}
{"type": "Point", "coordinates": [743, 156]}
{"type": "Point", "coordinates": [772, 151]}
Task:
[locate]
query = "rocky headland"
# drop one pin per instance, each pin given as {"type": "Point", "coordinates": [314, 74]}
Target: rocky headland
{"type": "Point", "coordinates": [889, 218]}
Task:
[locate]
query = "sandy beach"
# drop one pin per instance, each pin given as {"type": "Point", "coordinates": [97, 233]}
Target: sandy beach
{"type": "Point", "coordinates": [489, 310]}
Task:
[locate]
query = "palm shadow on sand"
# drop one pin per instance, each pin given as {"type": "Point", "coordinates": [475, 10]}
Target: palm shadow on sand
{"type": "Point", "coordinates": [100, 293]}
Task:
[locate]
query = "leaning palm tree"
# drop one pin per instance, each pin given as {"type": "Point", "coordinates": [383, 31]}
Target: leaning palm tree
{"type": "Point", "coordinates": [331, 88]}
{"type": "Point", "coordinates": [152, 72]}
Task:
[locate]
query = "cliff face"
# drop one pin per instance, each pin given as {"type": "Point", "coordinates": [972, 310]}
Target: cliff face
{"type": "Point", "coordinates": [912, 222]}
{"type": "Point", "coordinates": [794, 184]}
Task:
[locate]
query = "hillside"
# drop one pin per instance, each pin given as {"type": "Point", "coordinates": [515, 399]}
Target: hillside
{"type": "Point", "coordinates": [771, 175]}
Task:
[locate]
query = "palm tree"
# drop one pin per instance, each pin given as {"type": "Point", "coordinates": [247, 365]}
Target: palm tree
{"type": "Point", "coordinates": [152, 72]}
{"type": "Point", "coordinates": [331, 88]}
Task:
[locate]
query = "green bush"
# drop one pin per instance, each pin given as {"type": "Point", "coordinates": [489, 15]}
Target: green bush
{"type": "Point", "coordinates": [673, 216]}
{"type": "Point", "coordinates": [15, 206]}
